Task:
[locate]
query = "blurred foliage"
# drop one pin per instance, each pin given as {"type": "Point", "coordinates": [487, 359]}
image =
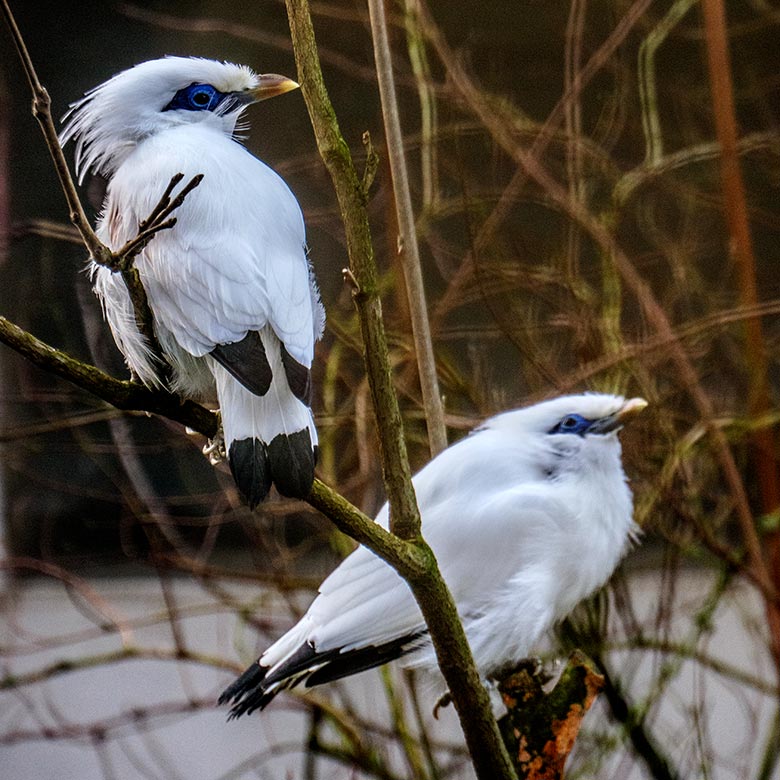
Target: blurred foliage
{"type": "Point", "coordinates": [527, 291]}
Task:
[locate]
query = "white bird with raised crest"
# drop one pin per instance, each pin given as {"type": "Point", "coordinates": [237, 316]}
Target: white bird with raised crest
{"type": "Point", "coordinates": [236, 308]}
{"type": "Point", "coordinates": [527, 516]}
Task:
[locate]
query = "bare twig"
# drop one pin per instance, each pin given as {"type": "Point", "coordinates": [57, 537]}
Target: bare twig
{"type": "Point", "coordinates": [41, 108]}
{"type": "Point", "coordinates": [159, 219]}
{"type": "Point", "coordinates": [122, 260]}
{"type": "Point", "coordinates": [352, 202]}
{"type": "Point", "coordinates": [130, 652]}
{"type": "Point", "coordinates": [347, 518]}
{"type": "Point", "coordinates": [408, 248]}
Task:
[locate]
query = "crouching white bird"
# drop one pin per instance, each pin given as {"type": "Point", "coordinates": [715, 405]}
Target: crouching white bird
{"type": "Point", "coordinates": [527, 516]}
{"type": "Point", "coordinates": [235, 305]}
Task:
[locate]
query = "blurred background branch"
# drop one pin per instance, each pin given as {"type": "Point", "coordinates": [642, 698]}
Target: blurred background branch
{"type": "Point", "coordinates": [574, 229]}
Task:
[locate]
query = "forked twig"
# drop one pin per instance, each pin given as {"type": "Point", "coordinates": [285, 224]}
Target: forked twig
{"type": "Point", "coordinates": [158, 220]}
{"type": "Point", "coordinates": [41, 108]}
{"type": "Point", "coordinates": [120, 261]}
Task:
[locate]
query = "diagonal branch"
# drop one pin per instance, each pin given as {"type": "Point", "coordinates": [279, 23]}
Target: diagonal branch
{"type": "Point", "coordinates": [121, 393]}
{"type": "Point", "coordinates": [41, 108]}
{"type": "Point", "coordinates": [133, 396]}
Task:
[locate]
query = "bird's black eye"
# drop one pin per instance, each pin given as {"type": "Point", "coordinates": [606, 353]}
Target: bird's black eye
{"type": "Point", "coordinates": [196, 97]}
{"type": "Point", "coordinates": [201, 97]}
{"type": "Point", "coordinates": [571, 423]}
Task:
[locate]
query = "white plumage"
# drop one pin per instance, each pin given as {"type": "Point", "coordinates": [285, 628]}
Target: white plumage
{"type": "Point", "coordinates": [236, 308]}
{"type": "Point", "coordinates": [527, 516]}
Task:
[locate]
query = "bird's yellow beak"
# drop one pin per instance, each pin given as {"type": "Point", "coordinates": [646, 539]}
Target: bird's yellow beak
{"type": "Point", "coordinates": [270, 85]}
{"type": "Point", "coordinates": [630, 409]}
{"type": "Point", "coordinates": [615, 421]}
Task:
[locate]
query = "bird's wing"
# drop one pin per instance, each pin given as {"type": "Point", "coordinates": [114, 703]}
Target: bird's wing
{"type": "Point", "coordinates": [363, 602]}
{"type": "Point", "coordinates": [235, 260]}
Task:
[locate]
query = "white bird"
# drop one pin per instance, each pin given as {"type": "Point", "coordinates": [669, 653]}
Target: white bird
{"type": "Point", "coordinates": [527, 516]}
{"type": "Point", "coordinates": [235, 305]}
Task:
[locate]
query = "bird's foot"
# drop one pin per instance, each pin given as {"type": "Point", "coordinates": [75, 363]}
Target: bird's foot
{"type": "Point", "coordinates": [533, 667]}
{"type": "Point", "coordinates": [214, 449]}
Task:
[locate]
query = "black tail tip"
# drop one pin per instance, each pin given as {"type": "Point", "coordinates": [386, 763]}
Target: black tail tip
{"type": "Point", "coordinates": [292, 459]}
{"type": "Point", "coordinates": [288, 461]}
{"type": "Point", "coordinates": [251, 470]}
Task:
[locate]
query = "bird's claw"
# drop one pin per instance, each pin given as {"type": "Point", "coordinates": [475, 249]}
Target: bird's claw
{"type": "Point", "coordinates": [214, 449]}
{"type": "Point", "coordinates": [443, 702]}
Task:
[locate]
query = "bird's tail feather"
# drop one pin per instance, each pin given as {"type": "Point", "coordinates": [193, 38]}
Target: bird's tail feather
{"type": "Point", "coordinates": [247, 693]}
{"type": "Point", "coordinates": [259, 684]}
{"type": "Point", "coordinates": [269, 438]}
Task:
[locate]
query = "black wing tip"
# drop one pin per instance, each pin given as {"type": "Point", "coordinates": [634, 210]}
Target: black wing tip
{"type": "Point", "coordinates": [256, 688]}
{"type": "Point", "coordinates": [251, 704]}
{"type": "Point", "coordinates": [298, 377]}
{"type": "Point", "coordinates": [254, 700]}
{"type": "Point", "coordinates": [291, 460]}
{"type": "Point", "coordinates": [345, 664]}
{"type": "Point", "coordinates": [248, 459]}
{"type": "Point", "coordinates": [246, 361]}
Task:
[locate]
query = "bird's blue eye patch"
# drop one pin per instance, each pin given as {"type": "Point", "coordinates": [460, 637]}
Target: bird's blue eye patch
{"type": "Point", "coordinates": [196, 97]}
{"type": "Point", "coordinates": [572, 423]}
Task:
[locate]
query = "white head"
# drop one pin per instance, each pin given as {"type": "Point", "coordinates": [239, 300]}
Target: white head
{"type": "Point", "coordinates": [571, 432]}
{"type": "Point", "coordinates": [111, 119]}
{"type": "Point", "coordinates": [581, 415]}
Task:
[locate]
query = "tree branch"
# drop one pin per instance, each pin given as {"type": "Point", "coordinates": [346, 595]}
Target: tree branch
{"type": "Point", "coordinates": [41, 108]}
{"type": "Point", "coordinates": [121, 393]}
{"type": "Point", "coordinates": [352, 199]}
{"type": "Point", "coordinates": [121, 261]}
{"type": "Point", "coordinates": [541, 727]}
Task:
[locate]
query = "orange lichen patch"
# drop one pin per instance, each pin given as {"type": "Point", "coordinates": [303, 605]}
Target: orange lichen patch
{"type": "Point", "coordinates": [544, 724]}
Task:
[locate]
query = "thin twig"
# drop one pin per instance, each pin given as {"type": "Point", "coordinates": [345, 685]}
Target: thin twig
{"type": "Point", "coordinates": [41, 108]}
{"type": "Point", "coordinates": [408, 248]}
{"type": "Point", "coordinates": [160, 219]}
{"type": "Point", "coordinates": [122, 260]}
{"type": "Point", "coordinates": [123, 394]}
